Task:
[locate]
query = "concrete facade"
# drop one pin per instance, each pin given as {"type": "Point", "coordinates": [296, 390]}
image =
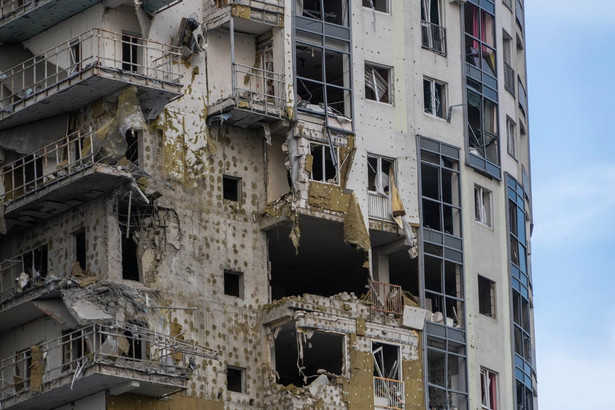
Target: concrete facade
{"type": "Point", "coordinates": [265, 204]}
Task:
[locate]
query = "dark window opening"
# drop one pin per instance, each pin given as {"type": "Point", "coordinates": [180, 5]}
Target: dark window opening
{"type": "Point", "coordinates": [130, 53]}
{"type": "Point", "coordinates": [132, 152]}
{"type": "Point", "coordinates": [486, 296]}
{"type": "Point", "coordinates": [136, 346]}
{"type": "Point", "coordinates": [231, 188]}
{"type": "Point", "coordinates": [233, 283]}
{"type": "Point", "coordinates": [404, 271]}
{"type": "Point", "coordinates": [35, 262]}
{"type": "Point", "coordinates": [443, 291]}
{"type": "Point", "coordinates": [235, 379]}
{"type": "Point", "coordinates": [378, 5]}
{"type": "Point", "coordinates": [320, 351]}
{"type": "Point", "coordinates": [434, 97]}
{"type": "Point", "coordinates": [323, 167]}
{"type": "Point", "coordinates": [80, 248]}
{"type": "Point", "coordinates": [331, 11]}
{"type": "Point", "coordinates": [386, 361]}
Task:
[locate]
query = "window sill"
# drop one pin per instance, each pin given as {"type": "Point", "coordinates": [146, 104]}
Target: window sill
{"type": "Point", "coordinates": [380, 102]}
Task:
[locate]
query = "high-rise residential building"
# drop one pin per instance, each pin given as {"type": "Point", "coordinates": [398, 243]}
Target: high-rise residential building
{"type": "Point", "coordinates": [265, 204]}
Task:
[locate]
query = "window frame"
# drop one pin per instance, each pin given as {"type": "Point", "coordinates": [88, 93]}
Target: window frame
{"type": "Point", "coordinates": [486, 218]}
{"type": "Point", "coordinates": [492, 313]}
{"type": "Point", "coordinates": [226, 177]}
{"type": "Point", "coordinates": [511, 137]}
{"type": "Point", "coordinates": [489, 385]}
{"type": "Point", "coordinates": [433, 83]}
{"type": "Point", "coordinates": [379, 159]}
{"type": "Point", "coordinates": [389, 81]}
{"type": "Point", "coordinates": [325, 148]}
{"type": "Point", "coordinates": [242, 371]}
{"type": "Point", "coordinates": [387, 7]}
{"type": "Point", "coordinates": [240, 283]}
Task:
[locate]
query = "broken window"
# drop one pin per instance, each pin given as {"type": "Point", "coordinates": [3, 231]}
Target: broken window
{"type": "Point", "coordinates": [480, 39]}
{"type": "Point", "coordinates": [443, 290]}
{"type": "Point", "coordinates": [378, 170]}
{"type": "Point", "coordinates": [446, 374]}
{"type": "Point", "coordinates": [440, 193]}
{"type": "Point", "coordinates": [378, 5]}
{"type": "Point", "coordinates": [378, 82]}
{"type": "Point", "coordinates": [133, 141]}
{"type": "Point", "coordinates": [236, 379]}
{"type": "Point", "coordinates": [434, 97]}
{"type": "Point", "coordinates": [482, 95]}
{"type": "Point", "coordinates": [482, 206]}
{"type": "Point", "coordinates": [488, 389]}
{"type": "Point", "coordinates": [233, 283]}
{"type": "Point", "coordinates": [486, 297]}
{"type": "Point", "coordinates": [483, 128]}
{"type": "Point", "coordinates": [330, 11]}
{"type": "Point", "coordinates": [80, 248]}
{"type": "Point", "coordinates": [323, 163]}
{"type": "Point", "coordinates": [35, 262]}
{"type": "Point", "coordinates": [75, 56]}
{"type": "Point", "coordinates": [301, 355]}
{"type": "Point", "coordinates": [131, 50]}
{"type": "Point", "coordinates": [388, 387]}
{"type": "Point", "coordinates": [521, 294]}
{"type": "Point", "coordinates": [509, 72]}
{"type": "Point", "coordinates": [323, 60]}
{"type": "Point", "coordinates": [511, 138]}
{"type": "Point", "coordinates": [231, 188]}
{"type": "Point", "coordinates": [432, 27]}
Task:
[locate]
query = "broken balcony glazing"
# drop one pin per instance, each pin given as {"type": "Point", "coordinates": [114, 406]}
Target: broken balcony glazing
{"type": "Point", "coordinates": [56, 177]}
{"type": "Point", "coordinates": [85, 68]}
{"type": "Point", "coordinates": [95, 358]}
{"type": "Point", "coordinates": [253, 14]}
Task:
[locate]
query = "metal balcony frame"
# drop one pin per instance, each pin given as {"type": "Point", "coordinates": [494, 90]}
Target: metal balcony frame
{"type": "Point", "coordinates": [101, 51]}
{"type": "Point", "coordinates": [429, 32]}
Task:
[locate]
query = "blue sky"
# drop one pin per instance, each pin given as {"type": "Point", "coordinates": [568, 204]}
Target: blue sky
{"type": "Point", "coordinates": [571, 87]}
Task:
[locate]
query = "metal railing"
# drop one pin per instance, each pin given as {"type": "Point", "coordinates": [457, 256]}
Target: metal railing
{"type": "Point", "coordinates": [386, 298]}
{"type": "Point", "coordinates": [48, 165]}
{"type": "Point", "coordinates": [509, 78]}
{"type": "Point", "coordinates": [258, 90]}
{"type": "Point", "coordinates": [111, 52]}
{"type": "Point", "coordinates": [379, 206]}
{"type": "Point", "coordinates": [9, 8]}
{"type": "Point", "coordinates": [434, 37]}
{"type": "Point", "coordinates": [388, 393]}
{"type": "Point", "coordinates": [121, 345]}
{"type": "Point", "coordinates": [10, 270]}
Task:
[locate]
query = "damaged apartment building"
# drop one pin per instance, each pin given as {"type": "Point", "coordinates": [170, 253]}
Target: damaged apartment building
{"type": "Point", "coordinates": [270, 204]}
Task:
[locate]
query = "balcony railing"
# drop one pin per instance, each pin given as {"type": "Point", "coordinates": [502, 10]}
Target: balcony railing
{"type": "Point", "coordinates": [68, 358]}
{"type": "Point", "coordinates": [386, 298]}
{"type": "Point", "coordinates": [388, 393]}
{"type": "Point", "coordinates": [379, 206]}
{"type": "Point", "coordinates": [509, 78]}
{"type": "Point", "coordinates": [48, 165]}
{"type": "Point", "coordinates": [434, 37]}
{"type": "Point", "coordinates": [10, 270]}
{"type": "Point", "coordinates": [143, 61]}
{"type": "Point", "coordinates": [258, 90]}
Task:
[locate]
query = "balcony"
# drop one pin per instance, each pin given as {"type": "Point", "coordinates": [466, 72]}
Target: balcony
{"type": "Point", "coordinates": [385, 298]}
{"type": "Point", "coordinates": [434, 37]}
{"type": "Point", "coordinates": [522, 98]}
{"type": "Point", "coordinates": [86, 68]}
{"type": "Point", "coordinates": [257, 95]}
{"type": "Point", "coordinates": [519, 14]}
{"type": "Point", "coordinates": [388, 393]}
{"type": "Point", "coordinates": [22, 281]}
{"type": "Point", "coordinates": [509, 78]}
{"type": "Point", "coordinates": [119, 357]}
{"type": "Point", "coordinates": [251, 16]}
{"type": "Point", "coordinates": [22, 19]}
{"type": "Point", "coordinates": [379, 206]}
{"type": "Point", "coordinates": [57, 177]}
